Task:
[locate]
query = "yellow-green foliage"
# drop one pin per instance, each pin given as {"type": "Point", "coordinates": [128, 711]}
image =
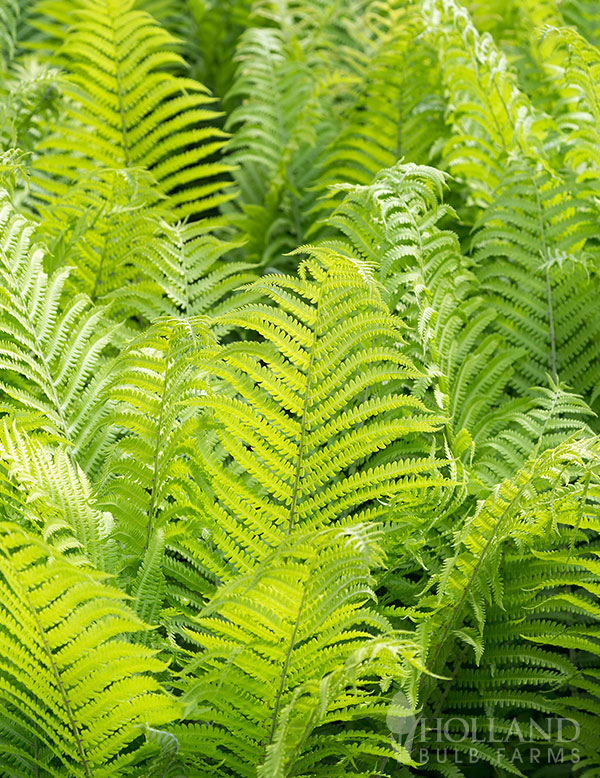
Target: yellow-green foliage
{"type": "Point", "coordinates": [299, 384]}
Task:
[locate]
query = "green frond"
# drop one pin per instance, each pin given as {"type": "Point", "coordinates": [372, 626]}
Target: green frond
{"type": "Point", "coordinates": [306, 411]}
{"type": "Point", "coordinates": [532, 260]}
{"type": "Point", "coordinates": [278, 129]}
{"type": "Point", "coordinates": [10, 12]}
{"type": "Point", "coordinates": [68, 516]}
{"type": "Point", "coordinates": [30, 99]}
{"type": "Point", "coordinates": [75, 692]}
{"type": "Point", "coordinates": [210, 280]}
{"type": "Point", "coordinates": [52, 352]}
{"type": "Point", "coordinates": [582, 15]}
{"type": "Point", "coordinates": [371, 134]}
{"type": "Point", "coordinates": [542, 623]}
{"type": "Point", "coordinates": [128, 110]}
{"type": "Point", "coordinates": [573, 64]}
{"type": "Point", "coordinates": [491, 118]}
{"type": "Point", "coordinates": [286, 653]}
{"type": "Point", "coordinates": [218, 29]}
{"type": "Point", "coordinates": [395, 224]}
{"type": "Point", "coordinates": [111, 227]}
{"type": "Point", "coordinates": [523, 509]}
{"type": "Point", "coordinates": [149, 483]}
{"type": "Point", "coordinates": [117, 233]}
{"type": "Point", "coordinates": [549, 417]}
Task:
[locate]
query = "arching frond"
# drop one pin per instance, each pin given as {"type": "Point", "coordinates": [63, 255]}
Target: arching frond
{"type": "Point", "coordinates": [388, 116]}
{"type": "Point", "coordinates": [68, 516]}
{"type": "Point", "coordinates": [52, 351]}
{"type": "Point", "coordinates": [574, 65]}
{"type": "Point", "coordinates": [75, 692]}
{"type": "Point", "coordinates": [518, 625]}
{"type": "Point", "coordinates": [290, 654]}
{"type": "Point", "coordinates": [532, 263]}
{"type": "Point", "coordinates": [149, 484]}
{"type": "Point", "coordinates": [394, 223]}
{"type": "Point", "coordinates": [128, 110]}
{"type": "Point", "coordinates": [308, 414]}
{"type": "Point", "coordinates": [279, 127]}
{"type": "Point", "coordinates": [491, 118]}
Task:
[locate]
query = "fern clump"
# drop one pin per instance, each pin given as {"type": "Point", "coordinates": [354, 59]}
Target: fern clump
{"type": "Point", "coordinates": [299, 389]}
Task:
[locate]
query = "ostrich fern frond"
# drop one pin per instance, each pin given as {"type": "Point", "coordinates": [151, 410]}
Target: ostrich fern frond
{"type": "Point", "coordinates": [52, 353]}
{"type": "Point", "coordinates": [58, 498]}
{"type": "Point", "coordinates": [149, 482]}
{"type": "Point", "coordinates": [292, 657]}
{"type": "Point", "coordinates": [519, 625]}
{"type": "Point", "coordinates": [309, 413]}
{"type": "Point", "coordinates": [394, 223]}
{"type": "Point", "coordinates": [532, 257]}
{"type": "Point", "coordinates": [491, 118]}
{"type": "Point", "coordinates": [128, 110]}
{"type": "Point", "coordinates": [63, 707]}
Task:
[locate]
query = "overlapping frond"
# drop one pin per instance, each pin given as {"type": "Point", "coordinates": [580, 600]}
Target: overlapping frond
{"type": "Point", "coordinates": [288, 653]}
{"type": "Point", "coordinates": [395, 224]}
{"type": "Point", "coordinates": [309, 411]}
{"type": "Point", "coordinates": [52, 352]}
{"type": "Point", "coordinates": [278, 128]}
{"type": "Point", "coordinates": [149, 483]}
{"type": "Point", "coordinates": [112, 230]}
{"type": "Point", "coordinates": [10, 13]}
{"type": "Point", "coordinates": [491, 118]}
{"type": "Point", "coordinates": [58, 499]}
{"type": "Point", "coordinates": [129, 110]}
{"type": "Point", "coordinates": [574, 66]}
{"type": "Point", "coordinates": [532, 262]}
{"type": "Point", "coordinates": [515, 627]}
{"type": "Point", "coordinates": [75, 691]}
{"type": "Point", "coordinates": [386, 115]}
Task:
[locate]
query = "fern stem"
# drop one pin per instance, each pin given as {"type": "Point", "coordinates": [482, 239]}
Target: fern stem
{"type": "Point", "coordinates": [98, 278]}
{"type": "Point", "coordinates": [458, 607]}
{"type": "Point", "coordinates": [127, 160]}
{"type": "Point", "coordinates": [286, 667]}
{"type": "Point", "coordinates": [553, 360]}
{"type": "Point", "coordinates": [440, 705]}
{"type": "Point", "coordinates": [545, 257]}
{"type": "Point", "coordinates": [302, 443]}
{"type": "Point", "coordinates": [157, 447]}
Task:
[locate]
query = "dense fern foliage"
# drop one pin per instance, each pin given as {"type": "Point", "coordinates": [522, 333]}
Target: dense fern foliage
{"type": "Point", "coordinates": [299, 388]}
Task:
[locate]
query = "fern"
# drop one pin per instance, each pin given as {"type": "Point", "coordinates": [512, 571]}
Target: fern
{"type": "Point", "coordinates": [289, 651]}
{"type": "Point", "coordinates": [532, 259]}
{"type": "Point", "coordinates": [65, 509]}
{"type": "Point", "coordinates": [147, 482]}
{"type": "Point", "coordinates": [62, 706]}
{"type": "Point", "coordinates": [53, 360]}
{"type": "Point", "coordinates": [431, 285]}
{"type": "Point", "coordinates": [491, 118]}
{"type": "Point", "coordinates": [285, 510]}
{"type": "Point", "coordinates": [574, 66]}
{"type": "Point", "coordinates": [542, 508]}
{"type": "Point", "coordinates": [303, 407]}
{"type": "Point", "coordinates": [141, 115]}
{"type": "Point", "coordinates": [281, 116]}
